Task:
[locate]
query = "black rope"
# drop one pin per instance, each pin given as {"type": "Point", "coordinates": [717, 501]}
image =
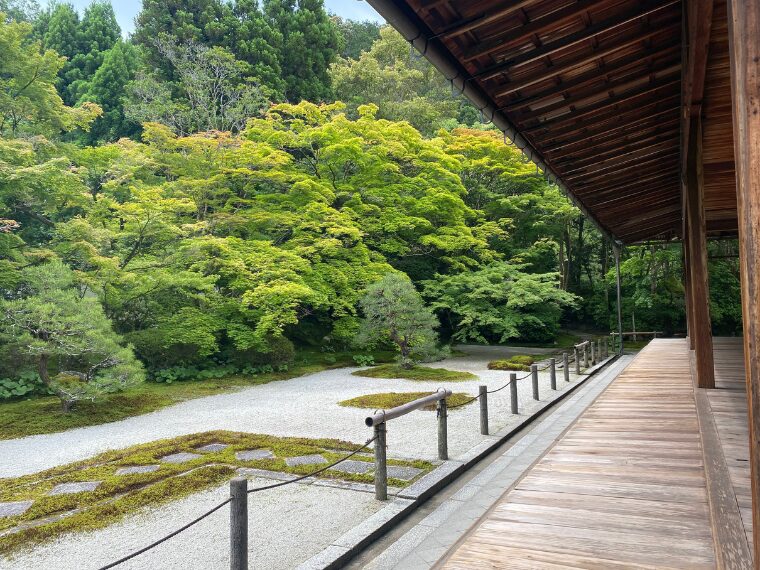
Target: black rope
{"type": "Point", "coordinates": [165, 538]}
{"type": "Point", "coordinates": [317, 472]}
{"type": "Point", "coordinates": [463, 403]}
{"type": "Point", "coordinates": [220, 505]}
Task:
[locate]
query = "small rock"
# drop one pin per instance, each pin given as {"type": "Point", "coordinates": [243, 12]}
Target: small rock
{"type": "Point", "coordinates": [212, 447]}
{"type": "Point", "coordinates": [14, 508]}
{"type": "Point", "coordinates": [254, 454]}
{"type": "Point", "coordinates": [315, 459]}
{"type": "Point", "coordinates": [350, 466]}
{"type": "Point", "coordinates": [137, 469]}
{"type": "Point", "coordinates": [71, 488]}
{"type": "Point", "coordinates": [182, 457]}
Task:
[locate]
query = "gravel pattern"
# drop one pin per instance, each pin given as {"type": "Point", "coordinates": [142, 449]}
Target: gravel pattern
{"type": "Point", "coordinates": [302, 407]}
{"type": "Point", "coordinates": [286, 527]}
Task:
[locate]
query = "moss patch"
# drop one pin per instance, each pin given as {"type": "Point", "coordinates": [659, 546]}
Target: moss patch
{"type": "Point", "coordinates": [119, 495]}
{"type": "Point", "coordinates": [392, 399]}
{"type": "Point", "coordinates": [519, 362]}
{"type": "Point", "coordinates": [420, 373]}
{"type": "Point", "coordinates": [43, 414]}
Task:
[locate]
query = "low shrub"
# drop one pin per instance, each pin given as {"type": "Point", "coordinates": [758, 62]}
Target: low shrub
{"type": "Point", "coordinates": [364, 359]}
{"type": "Point", "coordinates": [25, 384]}
{"type": "Point", "coordinates": [519, 363]}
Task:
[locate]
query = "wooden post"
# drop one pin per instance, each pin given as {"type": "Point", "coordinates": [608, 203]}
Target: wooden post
{"type": "Point", "coordinates": [513, 393]}
{"type": "Point", "coordinates": [700, 289]}
{"type": "Point", "coordinates": [585, 355]}
{"type": "Point", "coordinates": [443, 443]}
{"type": "Point", "coordinates": [600, 356]}
{"type": "Point", "coordinates": [483, 397]}
{"type": "Point", "coordinates": [534, 380]}
{"type": "Point", "coordinates": [744, 49]}
{"type": "Point", "coordinates": [381, 469]}
{"type": "Point", "coordinates": [239, 524]}
{"type": "Point", "coordinates": [577, 361]}
{"type": "Point", "coordinates": [566, 366]}
{"type": "Point", "coordinates": [593, 352]}
{"type": "Point", "coordinates": [553, 373]}
{"type": "Point", "coordinates": [616, 251]}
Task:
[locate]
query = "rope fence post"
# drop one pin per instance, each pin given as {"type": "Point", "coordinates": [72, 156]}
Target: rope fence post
{"type": "Point", "coordinates": [239, 524]}
{"type": "Point", "coordinates": [585, 355]}
{"type": "Point", "coordinates": [577, 361]}
{"type": "Point", "coordinates": [483, 395]}
{"type": "Point", "coordinates": [381, 469]}
{"type": "Point", "coordinates": [534, 380]}
{"type": "Point", "coordinates": [513, 393]}
{"type": "Point", "coordinates": [553, 373]}
{"type": "Point", "coordinates": [443, 444]}
{"type": "Point", "coordinates": [600, 357]}
{"type": "Point", "coordinates": [593, 352]}
{"type": "Point", "coordinates": [565, 366]}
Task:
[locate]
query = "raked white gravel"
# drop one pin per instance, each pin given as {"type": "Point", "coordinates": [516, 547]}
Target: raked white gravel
{"type": "Point", "coordinates": [306, 406]}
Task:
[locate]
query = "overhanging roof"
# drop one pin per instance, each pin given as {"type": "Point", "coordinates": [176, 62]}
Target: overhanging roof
{"type": "Point", "coordinates": [591, 89]}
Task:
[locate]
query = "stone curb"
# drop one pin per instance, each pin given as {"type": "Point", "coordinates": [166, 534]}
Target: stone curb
{"type": "Point", "coordinates": [350, 544]}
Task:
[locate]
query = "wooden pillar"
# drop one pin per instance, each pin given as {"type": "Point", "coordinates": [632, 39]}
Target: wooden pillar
{"type": "Point", "coordinates": [701, 329]}
{"type": "Point", "coordinates": [616, 250]}
{"type": "Point", "coordinates": [744, 47]}
{"type": "Point", "coordinates": [687, 281]}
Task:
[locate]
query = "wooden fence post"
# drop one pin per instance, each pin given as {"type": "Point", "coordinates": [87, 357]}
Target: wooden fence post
{"type": "Point", "coordinates": [239, 524]}
{"type": "Point", "coordinates": [585, 355]}
{"type": "Point", "coordinates": [566, 366]}
{"type": "Point", "coordinates": [599, 349]}
{"type": "Point", "coordinates": [513, 393]}
{"type": "Point", "coordinates": [593, 352]}
{"type": "Point", "coordinates": [483, 396]}
{"type": "Point", "coordinates": [553, 373]}
{"type": "Point", "coordinates": [381, 472]}
{"type": "Point", "coordinates": [534, 380]}
{"type": "Point", "coordinates": [577, 360]}
{"type": "Point", "coordinates": [443, 444]}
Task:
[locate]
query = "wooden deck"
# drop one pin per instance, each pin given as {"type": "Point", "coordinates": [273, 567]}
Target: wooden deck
{"type": "Point", "coordinates": [624, 487]}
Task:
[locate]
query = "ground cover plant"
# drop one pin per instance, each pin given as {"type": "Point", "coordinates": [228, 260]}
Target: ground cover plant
{"type": "Point", "coordinates": [419, 373]}
{"type": "Point", "coordinates": [120, 495]}
{"type": "Point", "coordinates": [520, 362]}
{"type": "Point", "coordinates": [389, 400]}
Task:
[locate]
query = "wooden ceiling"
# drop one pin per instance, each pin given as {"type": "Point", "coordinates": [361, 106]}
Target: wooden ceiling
{"type": "Point", "coordinates": [595, 87]}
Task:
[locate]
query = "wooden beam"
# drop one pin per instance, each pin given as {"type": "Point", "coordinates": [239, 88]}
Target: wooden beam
{"type": "Point", "coordinates": [665, 128]}
{"type": "Point", "coordinates": [533, 77]}
{"type": "Point", "coordinates": [697, 236]}
{"type": "Point", "coordinates": [744, 31]}
{"type": "Point", "coordinates": [515, 36]}
{"type": "Point", "coordinates": [609, 153]}
{"type": "Point", "coordinates": [484, 19]}
{"type": "Point", "coordinates": [620, 66]}
{"type": "Point", "coordinates": [570, 40]}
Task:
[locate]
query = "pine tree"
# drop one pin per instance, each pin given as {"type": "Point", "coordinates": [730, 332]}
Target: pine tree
{"type": "Point", "coordinates": [310, 45]}
{"type": "Point", "coordinates": [62, 36]}
{"type": "Point", "coordinates": [107, 88]}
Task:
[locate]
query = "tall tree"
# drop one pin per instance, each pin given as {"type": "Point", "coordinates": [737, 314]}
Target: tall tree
{"type": "Point", "coordinates": [309, 45]}
{"type": "Point", "coordinates": [107, 88]}
{"type": "Point", "coordinates": [62, 36]}
{"type": "Point", "coordinates": [356, 37]}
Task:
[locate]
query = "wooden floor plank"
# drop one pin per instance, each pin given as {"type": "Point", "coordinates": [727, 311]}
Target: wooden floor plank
{"type": "Point", "coordinates": [623, 488]}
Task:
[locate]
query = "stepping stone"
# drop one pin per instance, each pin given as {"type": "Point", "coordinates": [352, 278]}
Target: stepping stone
{"type": "Point", "coordinates": [350, 466]}
{"type": "Point", "coordinates": [137, 469]}
{"type": "Point", "coordinates": [71, 488]}
{"type": "Point", "coordinates": [182, 457]}
{"type": "Point", "coordinates": [404, 473]}
{"type": "Point", "coordinates": [254, 454]}
{"type": "Point", "coordinates": [14, 508]}
{"type": "Point", "coordinates": [211, 447]}
{"type": "Point", "coordinates": [315, 459]}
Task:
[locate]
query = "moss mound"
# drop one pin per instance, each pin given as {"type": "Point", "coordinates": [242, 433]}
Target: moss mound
{"type": "Point", "coordinates": [389, 400]}
{"type": "Point", "coordinates": [420, 373]}
{"type": "Point", "coordinates": [518, 362]}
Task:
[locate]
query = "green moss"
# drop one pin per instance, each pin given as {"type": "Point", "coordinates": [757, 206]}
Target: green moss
{"type": "Point", "coordinates": [420, 373]}
{"type": "Point", "coordinates": [119, 495]}
{"type": "Point", "coordinates": [392, 399]}
{"type": "Point", "coordinates": [507, 365]}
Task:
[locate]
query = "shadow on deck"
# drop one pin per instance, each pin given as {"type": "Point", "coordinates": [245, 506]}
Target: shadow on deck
{"type": "Point", "coordinates": [627, 486]}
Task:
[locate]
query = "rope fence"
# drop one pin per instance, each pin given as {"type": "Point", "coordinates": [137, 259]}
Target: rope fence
{"type": "Point", "coordinates": [239, 491]}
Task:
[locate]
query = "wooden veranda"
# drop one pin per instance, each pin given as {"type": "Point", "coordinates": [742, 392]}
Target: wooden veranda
{"type": "Point", "coordinates": [647, 114]}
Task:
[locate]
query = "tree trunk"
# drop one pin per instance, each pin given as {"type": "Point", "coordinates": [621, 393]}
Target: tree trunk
{"type": "Point", "coordinates": [67, 405]}
{"type": "Point", "coordinates": [42, 369]}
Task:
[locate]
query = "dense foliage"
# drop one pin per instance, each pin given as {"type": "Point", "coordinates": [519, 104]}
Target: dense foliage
{"type": "Point", "coordinates": [193, 228]}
